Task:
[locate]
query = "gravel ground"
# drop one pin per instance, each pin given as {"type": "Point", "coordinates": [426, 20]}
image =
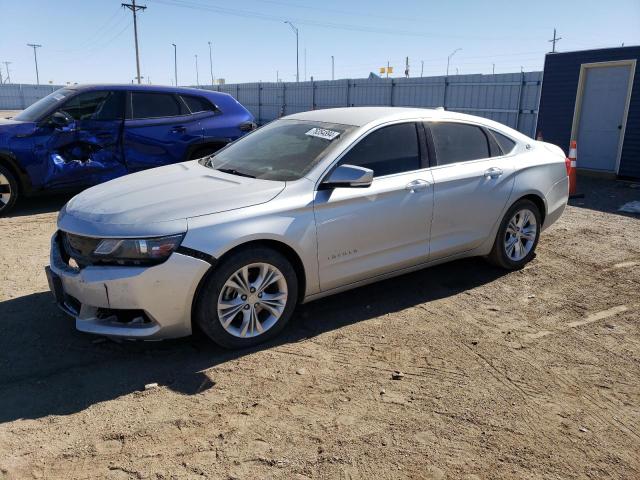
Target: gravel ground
{"type": "Point", "coordinates": [528, 374]}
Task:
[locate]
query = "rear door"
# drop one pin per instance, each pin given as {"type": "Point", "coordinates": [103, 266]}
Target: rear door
{"type": "Point", "coordinates": [473, 180]}
{"type": "Point", "coordinates": [88, 150]}
{"type": "Point", "coordinates": [159, 129]}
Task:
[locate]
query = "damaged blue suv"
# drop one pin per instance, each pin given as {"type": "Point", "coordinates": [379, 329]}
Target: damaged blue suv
{"type": "Point", "coordinates": [84, 135]}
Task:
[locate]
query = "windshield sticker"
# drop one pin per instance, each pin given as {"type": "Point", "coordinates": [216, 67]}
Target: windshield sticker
{"type": "Point", "coordinates": [323, 133]}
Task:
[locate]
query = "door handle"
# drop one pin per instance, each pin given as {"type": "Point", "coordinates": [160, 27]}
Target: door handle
{"type": "Point", "coordinates": [179, 129]}
{"type": "Point", "coordinates": [417, 186]}
{"type": "Point", "coordinates": [493, 172]}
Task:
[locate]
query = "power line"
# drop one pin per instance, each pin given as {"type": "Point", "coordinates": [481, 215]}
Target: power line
{"type": "Point", "coordinates": [134, 9]}
{"type": "Point", "coordinates": [35, 57]}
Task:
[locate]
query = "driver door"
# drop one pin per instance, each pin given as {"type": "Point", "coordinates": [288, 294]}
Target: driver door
{"type": "Point", "coordinates": [364, 232]}
{"type": "Point", "coordinates": [88, 149]}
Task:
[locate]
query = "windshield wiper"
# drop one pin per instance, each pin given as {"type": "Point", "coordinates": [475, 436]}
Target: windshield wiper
{"type": "Point", "coordinates": [233, 171]}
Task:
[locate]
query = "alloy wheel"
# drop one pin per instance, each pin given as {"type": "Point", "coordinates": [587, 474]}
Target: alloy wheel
{"type": "Point", "coordinates": [252, 300]}
{"type": "Point", "coordinates": [520, 235]}
{"type": "Point", "coordinates": [5, 191]}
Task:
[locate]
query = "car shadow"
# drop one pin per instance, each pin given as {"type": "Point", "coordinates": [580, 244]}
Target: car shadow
{"type": "Point", "coordinates": [48, 368]}
{"type": "Point", "coordinates": [39, 204]}
{"type": "Point", "coordinates": [605, 194]}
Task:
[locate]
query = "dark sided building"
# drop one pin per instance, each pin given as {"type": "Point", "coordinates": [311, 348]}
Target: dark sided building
{"type": "Point", "coordinates": [593, 97]}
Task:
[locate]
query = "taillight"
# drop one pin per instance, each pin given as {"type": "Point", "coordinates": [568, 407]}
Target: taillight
{"type": "Point", "coordinates": [247, 126]}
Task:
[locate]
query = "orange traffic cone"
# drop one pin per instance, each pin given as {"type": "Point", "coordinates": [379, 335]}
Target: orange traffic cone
{"type": "Point", "coordinates": [571, 168]}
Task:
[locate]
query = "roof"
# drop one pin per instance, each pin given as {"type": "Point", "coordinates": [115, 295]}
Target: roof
{"type": "Point", "coordinates": [141, 87]}
{"type": "Point", "coordinates": [361, 116]}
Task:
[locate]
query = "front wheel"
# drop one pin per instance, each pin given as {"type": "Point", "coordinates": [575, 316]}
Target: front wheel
{"type": "Point", "coordinates": [517, 236]}
{"type": "Point", "coordinates": [248, 299]}
{"type": "Point", "coordinates": [8, 190]}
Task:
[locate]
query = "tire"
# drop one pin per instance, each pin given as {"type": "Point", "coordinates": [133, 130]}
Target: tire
{"type": "Point", "coordinates": [523, 234]}
{"type": "Point", "coordinates": [8, 190]}
{"type": "Point", "coordinates": [222, 300]}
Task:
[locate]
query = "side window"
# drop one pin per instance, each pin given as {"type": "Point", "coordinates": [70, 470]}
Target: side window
{"type": "Point", "coordinates": [155, 105]}
{"type": "Point", "coordinates": [388, 150]}
{"type": "Point", "coordinates": [506, 144]}
{"type": "Point", "coordinates": [198, 104]}
{"type": "Point", "coordinates": [458, 142]}
{"type": "Point", "coordinates": [101, 105]}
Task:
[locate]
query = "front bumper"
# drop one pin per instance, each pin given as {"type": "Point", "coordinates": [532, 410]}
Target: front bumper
{"type": "Point", "coordinates": [148, 303]}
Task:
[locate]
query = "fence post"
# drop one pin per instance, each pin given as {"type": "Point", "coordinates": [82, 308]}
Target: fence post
{"type": "Point", "coordinates": [283, 106]}
{"type": "Point", "coordinates": [391, 93]}
{"type": "Point", "coordinates": [520, 92]}
{"type": "Point", "coordinates": [313, 95]}
{"type": "Point", "coordinates": [444, 92]}
{"type": "Point", "coordinates": [348, 91]}
{"type": "Point", "coordinates": [259, 102]}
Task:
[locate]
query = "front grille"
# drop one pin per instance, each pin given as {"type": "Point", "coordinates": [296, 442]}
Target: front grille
{"type": "Point", "coordinates": [79, 248]}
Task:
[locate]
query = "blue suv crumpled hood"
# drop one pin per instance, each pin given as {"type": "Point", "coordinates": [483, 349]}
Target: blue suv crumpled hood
{"type": "Point", "coordinates": [158, 201]}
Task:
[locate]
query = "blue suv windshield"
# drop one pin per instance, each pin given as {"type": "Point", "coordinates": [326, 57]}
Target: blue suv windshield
{"type": "Point", "coordinates": [35, 112]}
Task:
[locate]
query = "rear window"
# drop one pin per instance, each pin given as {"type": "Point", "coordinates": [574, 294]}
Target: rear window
{"type": "Point", "coordinates": [155, 105]}
{"type": "Point", "coordinates": [458, 142]}
{"type": "Point", "coordinates": [198, 104]}
{"type": "Point", "coordinates": [506, 144]}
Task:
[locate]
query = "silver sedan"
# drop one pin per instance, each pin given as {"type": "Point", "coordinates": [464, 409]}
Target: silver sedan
{"type": "Point", "coordinates": [309, 205]}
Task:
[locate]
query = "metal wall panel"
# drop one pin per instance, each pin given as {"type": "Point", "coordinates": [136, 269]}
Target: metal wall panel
{"type": "Point", "coordinates": [509, 98]}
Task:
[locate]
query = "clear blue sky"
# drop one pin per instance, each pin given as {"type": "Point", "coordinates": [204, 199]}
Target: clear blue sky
{"type": "Point", "coordinates": [92, 40]}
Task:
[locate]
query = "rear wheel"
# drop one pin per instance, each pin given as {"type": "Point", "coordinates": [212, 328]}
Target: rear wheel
{"type": "Point", "coordinates": [248, 299]}
{"type": "Point", "coordinates": [8, 190]}
{"type": "Point", "coordinates": [517, 236]}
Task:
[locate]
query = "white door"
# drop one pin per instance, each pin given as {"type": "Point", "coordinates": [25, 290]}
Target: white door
{"type": "Point", "coordinates": [603, 104]}
{"type": "Point", "coordinates": [364, 232]}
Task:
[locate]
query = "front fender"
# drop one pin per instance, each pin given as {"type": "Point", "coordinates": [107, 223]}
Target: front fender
{"type": "Point", "coordinates": [217, 234]}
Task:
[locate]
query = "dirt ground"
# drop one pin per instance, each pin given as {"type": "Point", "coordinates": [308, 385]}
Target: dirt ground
{"type": "Point", "coordinates": [528, 374]}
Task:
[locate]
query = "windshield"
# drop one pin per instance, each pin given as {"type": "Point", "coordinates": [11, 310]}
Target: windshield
{"type": "Point", "coordinates": [35, 112]}
{"type": "Point", "coordinates": [282, 150]}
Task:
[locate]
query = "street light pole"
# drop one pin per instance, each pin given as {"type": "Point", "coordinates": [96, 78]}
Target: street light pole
{"type": "Point", "coordinates": [35, 57]}
{"type": "Point", "coordinates": [449, 58]}
{"type": "Point", "coordinates": [211, 63]}
{"type": "Point", "coordinates": [295, 30]}
{"type": "Point", "coordinates": [175, 62]}
{"type": "Point", "coordinates": [197, 76]}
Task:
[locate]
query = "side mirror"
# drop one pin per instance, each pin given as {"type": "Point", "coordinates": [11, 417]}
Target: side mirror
{"type": "Point", "coordinates": [60, 120]}
{"type": "Point", "coordinates": [348, 176]}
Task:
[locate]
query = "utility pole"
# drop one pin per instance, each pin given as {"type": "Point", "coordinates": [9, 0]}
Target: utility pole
{"type": "Point", "coordinates": [333, 69]}
{"type": "Point", "coordinates": [35, 57]}
{"type": "Point", "coordinates": [277, 76]}
{"type": "Point", "coordinates": [305, 64]}
{"type": "Point", "coordinates": [449, 58]}
{"type": "Point", "coordinates": [175, 62]}
{"type": "Point", "coordinates": [421, 68]}
{"type": "Point", "coordinates": [8, 80]}
{"type": "Point", "coordinates": [134, 8]}
{"type": "Point", "coordinates": [387, 68]}
{"type": "Point", "coordinates": [493, 68]}
{"type": "Point", "coordinates": [211, 63]}
{"type": "Point", "coordinates": [554, 40]}
{"type": "Point", "coordinates": [406, 67]}
{"type": "Point", "coordinates": [295, 30]}
{"type": "Point", "coordinates": [197, 77]}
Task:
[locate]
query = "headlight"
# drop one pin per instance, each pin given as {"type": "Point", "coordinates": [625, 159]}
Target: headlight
{"type": "Point", "coordinates": [137, 250]}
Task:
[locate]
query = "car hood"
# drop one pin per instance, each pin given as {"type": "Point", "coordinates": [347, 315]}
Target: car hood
{"type": "Point", "coordinates": [158, 201]}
